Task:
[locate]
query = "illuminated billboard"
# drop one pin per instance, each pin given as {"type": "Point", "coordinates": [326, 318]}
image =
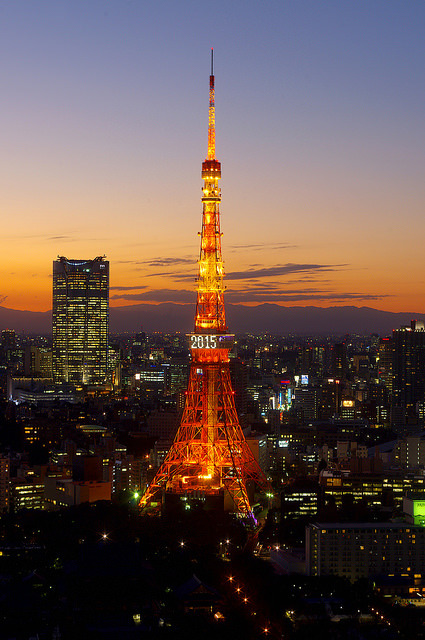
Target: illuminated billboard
{"type": "Point", "coordinates": [419, 512]}
{"type": "Point", "coordinates": [414, 508]}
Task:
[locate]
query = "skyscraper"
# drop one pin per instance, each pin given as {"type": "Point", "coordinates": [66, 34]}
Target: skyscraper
{"type": "Point", "coordinates": [80, 320]}
{"type": "Point", "coordinates": [408, 371]}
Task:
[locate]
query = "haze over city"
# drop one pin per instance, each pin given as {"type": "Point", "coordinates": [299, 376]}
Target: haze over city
{"type": "Point", "coordinates": [319, 112]}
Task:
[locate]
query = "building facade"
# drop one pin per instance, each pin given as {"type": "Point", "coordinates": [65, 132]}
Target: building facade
{"type": "Point", "coordinates": [408, 371]}
{"type": "Point", "coordinates": [4, 483]}
{"type": "Point", "coordinates": [362, 550]}
{"type": "Point", "coordinates": [80, 320]}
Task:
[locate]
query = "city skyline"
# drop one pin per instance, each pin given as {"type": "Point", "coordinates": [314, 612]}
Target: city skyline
{"type": "Point", "coordinates": [320, 136]}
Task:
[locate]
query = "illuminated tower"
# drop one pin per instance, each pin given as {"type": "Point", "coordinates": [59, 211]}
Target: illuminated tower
{"type": "Point", "coordinates": [80, 320]}
{"type": "Point", "coordinates": [209, 454]}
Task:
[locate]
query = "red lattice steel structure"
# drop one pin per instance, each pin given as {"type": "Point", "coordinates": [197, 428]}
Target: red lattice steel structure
{"type": "Point", "coordinates": [209, 454]}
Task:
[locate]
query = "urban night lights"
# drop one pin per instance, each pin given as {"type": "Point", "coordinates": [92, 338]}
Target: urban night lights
{"type": "Point", "coordinates": [235, 449]}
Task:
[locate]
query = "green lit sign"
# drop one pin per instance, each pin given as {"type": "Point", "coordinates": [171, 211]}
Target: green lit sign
{"type": "Point", "coordinates": [419, 512]}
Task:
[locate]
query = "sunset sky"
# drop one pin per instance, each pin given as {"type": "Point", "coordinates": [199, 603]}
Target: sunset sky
{"type": "Point", "coordinates": [320, 110]}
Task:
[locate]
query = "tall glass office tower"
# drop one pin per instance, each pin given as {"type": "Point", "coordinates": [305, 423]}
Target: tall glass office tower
{"type": "Point", "coordinates": [80, 320]}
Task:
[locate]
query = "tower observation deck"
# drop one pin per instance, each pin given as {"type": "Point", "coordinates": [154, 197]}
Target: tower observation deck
{"type": "Point", "coordinates": [209, 455]}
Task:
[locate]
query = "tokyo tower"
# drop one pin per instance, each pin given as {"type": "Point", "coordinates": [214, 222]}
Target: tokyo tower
{"type": "Point", "coordinates": [209, 455]}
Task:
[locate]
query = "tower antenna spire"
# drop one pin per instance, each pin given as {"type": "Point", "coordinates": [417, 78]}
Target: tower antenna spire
{"type": "Point", "coordinates": [211, 114]}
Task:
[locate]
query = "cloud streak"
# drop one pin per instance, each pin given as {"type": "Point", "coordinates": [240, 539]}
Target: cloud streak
{"type": "Point", "coordinates": [135, 288]}
{"type": "Point", "coordinates": [267, 246]}
{"type": "Point", "coordinates": [159, 262]}
{"type": "Point", "coordinates": [248, 296]}
{"type": "Point", "coordinates": [282, 270]}
{"type": "Point", "coordinates": [166, 262]}
{"type": "Point", "coordinates": [180, 296]}
{"type": "Point", "coordinates": [306, 270]}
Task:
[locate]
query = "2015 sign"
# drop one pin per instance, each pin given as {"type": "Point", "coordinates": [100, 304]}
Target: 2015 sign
{"type": "Point", "coordinates": [203, 341]}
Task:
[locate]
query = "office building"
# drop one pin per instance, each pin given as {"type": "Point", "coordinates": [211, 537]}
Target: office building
{"type": "Point", "coordinates": [385, 363]}
{"type": "Point", "coordinates": [371, 488]}
{"type": "Point", "coordinates": [8, 339]}
{"type": "Point", "coordinates": [26, 493]}
{"type": "Point", "coordinates": [37, 361]}
{"type": "Point", "coordinates": [408, 371]}
{"type": "Point", "coordinates": [362, 550]}
{"type": "Point", "coordinates": [4, 483]}
{"type": "Point", "coordinates": [80, 320]}
{"type": "Point", "coordinates": [339, 364]}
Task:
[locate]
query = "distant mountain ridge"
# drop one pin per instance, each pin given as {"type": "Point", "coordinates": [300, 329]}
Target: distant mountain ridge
{"type": "Point", "coordinates": [264, 318]}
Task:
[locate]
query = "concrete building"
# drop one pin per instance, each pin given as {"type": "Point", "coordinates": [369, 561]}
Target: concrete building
{"type": "Point", "coordinates": [37, 361]}
{"type": "Point", "coordinates": [374, 489]}
{"type": "Point", "coordinates": [65, 492]}
{"type": "Point", "coordinates": [4, 483]}
{"type": "Point", "coordinates": [364, 550]}
{"type": "Point", "coordinates": [258, 446]}
{"type": "Point", "coordinates": [26, 494]}
{"type": "Point", "coordinates": [409, 452]}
